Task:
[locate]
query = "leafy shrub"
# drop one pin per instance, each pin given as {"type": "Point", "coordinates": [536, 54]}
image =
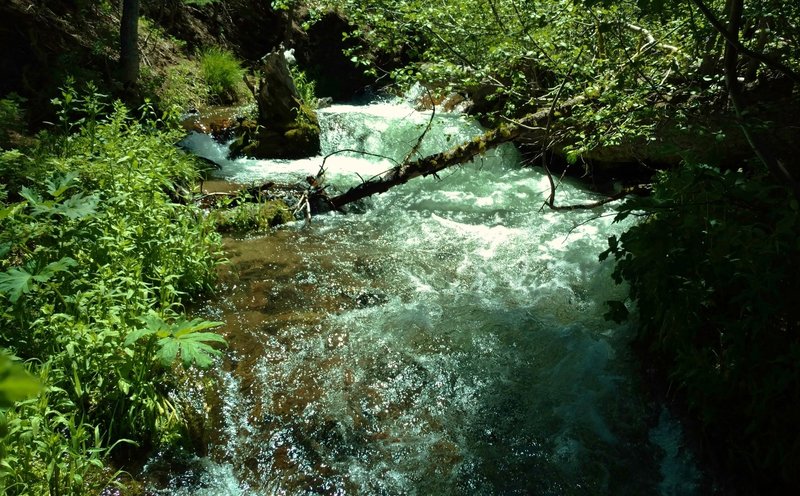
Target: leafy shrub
{"type": "Point", "coordinates": [97, 258]}
{"type": "Point", "coordinates": [713, 269]}
{"type": "Point", "coordinates": [223, 74]}
{"type": "Point", "coordinates": [12, 118]}
{"type": "Point", "coordinates": [307, 90]}
{"type": "Point", "coordinates": [306, 87]}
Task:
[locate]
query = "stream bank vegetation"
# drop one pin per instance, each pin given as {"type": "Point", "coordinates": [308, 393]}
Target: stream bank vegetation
{"type": "Point", "coordinates": [99, 257]}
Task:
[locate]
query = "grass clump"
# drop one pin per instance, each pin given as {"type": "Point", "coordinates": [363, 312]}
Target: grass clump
{"type": "Point", "coordinates": [222, 73]}
{"type": "Point", "coordinates": [184, 86]}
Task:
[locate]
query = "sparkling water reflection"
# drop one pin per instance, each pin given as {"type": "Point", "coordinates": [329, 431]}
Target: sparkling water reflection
{"type": "Point", "coordinates": [450, 340]}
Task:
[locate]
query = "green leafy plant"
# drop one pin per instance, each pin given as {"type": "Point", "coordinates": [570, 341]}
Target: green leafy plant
{"type": "Point", "coordinates": [251, 216]}
{"type": "Point", "coordinates": [308, 103]}
{"type": "Point", "coordinates": [182, 338]}
{"type": "Point", "coordinates": [100, 236]}
{"type": "Point", "coordinates": [19, 280]}
{"type": "Point", "coordinates": [713, 271]}
{"type": "Point", "coordinates": [12, 118]}
{"type": "Point", "coordinates": [16, 384]}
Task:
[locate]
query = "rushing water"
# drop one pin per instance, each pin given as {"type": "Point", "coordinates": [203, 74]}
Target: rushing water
{"type": "Point", "coordinates": [448, 340]}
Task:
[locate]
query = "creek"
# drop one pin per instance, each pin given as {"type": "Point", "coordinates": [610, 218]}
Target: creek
{"type": "Point", "coordinates": [449, 339]}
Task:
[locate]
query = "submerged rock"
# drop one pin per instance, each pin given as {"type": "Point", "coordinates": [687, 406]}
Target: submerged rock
{"type": "Point", "coordinates": [219, 122]}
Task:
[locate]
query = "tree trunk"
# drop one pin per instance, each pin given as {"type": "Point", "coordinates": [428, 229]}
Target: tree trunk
{"type": "Point", "coordinates": [129, 43]}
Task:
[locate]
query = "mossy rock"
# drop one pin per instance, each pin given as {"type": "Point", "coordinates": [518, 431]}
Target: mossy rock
{"type": "Point", "coordinates": [252, 216]}
{"type": "Point", "coordinates": [296, 141]}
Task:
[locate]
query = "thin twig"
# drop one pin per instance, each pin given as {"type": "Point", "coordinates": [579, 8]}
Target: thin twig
{"type": "Point", "coordinates": [733, 40]}
{"type": "Point", "coordinates": [583, 223]}
{"type": "Point", "coordinates": [415, 149]}
{"type": "Point", "coordinates": [639, 189]}
{"type": "Point", "coordinates": [551, 200]}
{"type": "Point", "coordinates": [523, 126]}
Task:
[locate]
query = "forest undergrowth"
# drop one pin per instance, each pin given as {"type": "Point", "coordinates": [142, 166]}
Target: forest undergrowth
{"type": "Point", "coordinates": [98, 256]}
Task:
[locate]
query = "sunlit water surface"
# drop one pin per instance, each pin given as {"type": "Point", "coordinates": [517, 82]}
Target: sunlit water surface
{"type": "Point", "coordinates": [449, 340]}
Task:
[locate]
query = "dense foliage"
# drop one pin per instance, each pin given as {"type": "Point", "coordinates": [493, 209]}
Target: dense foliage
{"type": "Point", "coordinates": [640, 64]}
{"type": "Point", "coordinates": [97, 259]}
{"type": "Point", "coordinates": [713, 269]}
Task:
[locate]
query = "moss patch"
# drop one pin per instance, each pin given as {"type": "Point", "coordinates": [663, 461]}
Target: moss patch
{"type": "Point", "coordinates": [252, 216]}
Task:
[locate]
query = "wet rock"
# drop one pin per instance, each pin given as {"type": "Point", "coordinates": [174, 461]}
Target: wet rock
{"type": "Point", "coordinates": [277, 95]}
{"type": "Point", "coordinates": [219, 122]}
{"type": "Point", "coordinates": [365, 299]}
{"type": "Point", "coordinates": [290, 142]}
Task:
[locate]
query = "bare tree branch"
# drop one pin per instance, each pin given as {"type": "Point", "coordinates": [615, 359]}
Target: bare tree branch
{"type": "Point", "coordinates": [761, 149]}
{"type": "Point", "coordinates": [733, 40]}
{"type": "Point", "coordinates": [415, 149]}
{"type": "Point", "coordinates": [460, 154]}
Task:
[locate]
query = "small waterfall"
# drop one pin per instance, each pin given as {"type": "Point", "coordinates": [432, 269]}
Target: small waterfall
{"type": "Point", "coordinates": [449, 340]}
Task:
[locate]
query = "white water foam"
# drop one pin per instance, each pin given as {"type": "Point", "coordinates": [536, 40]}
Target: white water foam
{"type": "Point", "coordinates": [487, 366]}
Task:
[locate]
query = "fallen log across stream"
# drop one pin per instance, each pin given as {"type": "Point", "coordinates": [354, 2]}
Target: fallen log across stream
{"type": "Point", "coordinates": [460, 154]}
{"type": "Point", "coordinates": [313, 198]}
{"type": "Point", "coordinates": [535, 127]}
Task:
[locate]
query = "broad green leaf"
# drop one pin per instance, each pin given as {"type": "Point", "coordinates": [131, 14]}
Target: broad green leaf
{"type": "Point", "coordinates": [169, 350]}
{"type": "Point", "coordinates": [78, 206]}
{"type": "Point", "coordinates": [184, 339]}
{"type": "Point", "coordinates": [32, 196]}
{"type": "Point", "coordinates": [16, 384]}
{"type": "Point", "coordinates": [14, 282]}
{"type": "Point", "coordinates": [198, 354]}
{"type": "Point", "coordinates": [155, 324]}
{"type": "Point", "coordinates": [186, 327]}
{"type": "Point", "coordinates": [58, 186]}
{"type": "Point", "coordinates": [206, 337]}
{"type": "Point", "coordinates": [124, 386]}
{"type": "Point", "coordinates": [11, 211]}
{"type": "Point", "coordinates": [54, 268]}
{"type": "Point", "coordinates": [137, 334]}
